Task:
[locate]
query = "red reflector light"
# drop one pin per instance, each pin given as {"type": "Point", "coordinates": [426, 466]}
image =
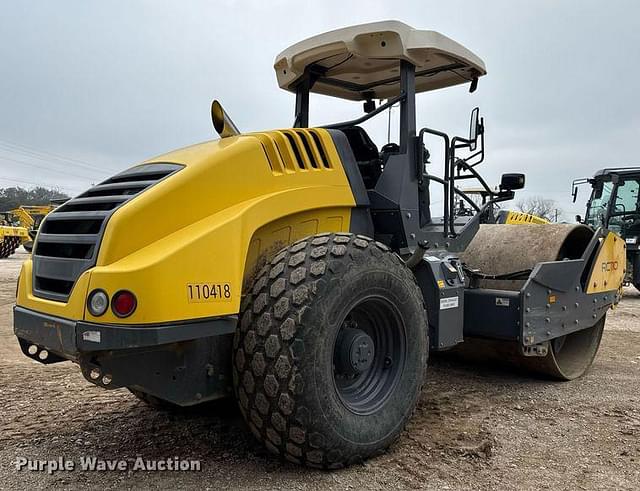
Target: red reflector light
{"type": "Point", "coordinates": [123, 303]}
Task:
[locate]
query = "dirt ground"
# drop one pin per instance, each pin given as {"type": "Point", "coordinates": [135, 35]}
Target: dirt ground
{"type": "Point", "coordinates": [476, 427]}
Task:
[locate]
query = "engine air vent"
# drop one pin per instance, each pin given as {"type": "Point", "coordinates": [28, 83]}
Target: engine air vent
{"type": "Point", "coordinates": [294, 150]}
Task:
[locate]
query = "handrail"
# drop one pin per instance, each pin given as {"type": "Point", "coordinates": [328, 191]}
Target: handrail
{"type": "Point", "coordinates": [447, 146]}
{"type": "Point", "coordinates": [450, 190]}
{"type": "Point", "coordinates": [475, 174]}
{"type": "Point", "coordinates": [458, 191]}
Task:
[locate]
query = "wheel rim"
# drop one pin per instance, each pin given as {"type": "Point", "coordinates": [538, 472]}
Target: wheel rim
{"type": "Point", "coordinates": [369, 355]}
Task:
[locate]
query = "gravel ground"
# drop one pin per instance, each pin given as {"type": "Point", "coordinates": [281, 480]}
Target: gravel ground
{"type": "Point", "coordinates": [476, 427]}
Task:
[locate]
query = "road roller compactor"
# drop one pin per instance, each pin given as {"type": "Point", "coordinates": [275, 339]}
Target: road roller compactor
{"type": "Point", "coordinates": [12, 234]}
{"type": "Point", "coordinates": [614, 203]}
{"type": "Point", "coordinates": [303, 272]}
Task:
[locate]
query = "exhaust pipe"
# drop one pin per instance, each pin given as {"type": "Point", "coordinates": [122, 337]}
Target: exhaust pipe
{"type": "Point", "coordinates": [222, 122]}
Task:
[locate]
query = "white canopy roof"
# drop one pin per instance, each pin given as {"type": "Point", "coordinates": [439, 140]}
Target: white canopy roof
{"type": "Point", "coordinates": [362, 62]}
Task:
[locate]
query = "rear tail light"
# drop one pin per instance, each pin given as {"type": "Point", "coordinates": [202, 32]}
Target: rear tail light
{"type": "Point", "coordinates": [98, 302]}
{"type": "Point", "coordinates": [123, 303]}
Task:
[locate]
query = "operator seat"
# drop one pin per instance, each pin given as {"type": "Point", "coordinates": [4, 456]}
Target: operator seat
{"type": "Point", "coordinates": [366, 154]}
{"type": "Point", "coordinates": [387, 151]}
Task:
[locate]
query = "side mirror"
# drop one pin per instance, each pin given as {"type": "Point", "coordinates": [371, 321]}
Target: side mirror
{"type": "Point", "coordinates": [510, 182]}
{"type": "Point", "coordinates": [475, 129]}
{"type": "Point", "coordinates": [578, 219]}
{"type": "Point", "coordinates": [575, 184]}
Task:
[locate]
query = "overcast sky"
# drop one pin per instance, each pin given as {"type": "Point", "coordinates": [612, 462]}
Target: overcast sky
{"type": "Point", "coordinates": [88, 88]}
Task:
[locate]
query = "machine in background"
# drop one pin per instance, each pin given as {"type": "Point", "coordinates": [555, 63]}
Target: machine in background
{"type": "Point", "coordinates": [12, 234]}
{"type": "Point", "coordinates": [614, 204]}
{"type": "Point", "coordinates": [19, 226]}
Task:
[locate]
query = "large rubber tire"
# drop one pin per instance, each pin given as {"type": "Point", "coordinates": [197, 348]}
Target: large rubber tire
{"type": "Point", "coordinates": [285, 376]}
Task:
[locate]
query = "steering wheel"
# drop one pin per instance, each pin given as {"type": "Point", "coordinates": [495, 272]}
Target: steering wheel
{"type": "Point", "coordinates": [620, 205]}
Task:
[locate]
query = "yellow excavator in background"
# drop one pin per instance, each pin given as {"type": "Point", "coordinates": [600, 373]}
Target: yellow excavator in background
{"type": "Point", "coordinates": [30, 217]}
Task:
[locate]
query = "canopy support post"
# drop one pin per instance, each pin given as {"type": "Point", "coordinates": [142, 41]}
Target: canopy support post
{"type": "Point", "coordinates": [407, 105]}
{"type": "Point", "coordinates": [302, 102]}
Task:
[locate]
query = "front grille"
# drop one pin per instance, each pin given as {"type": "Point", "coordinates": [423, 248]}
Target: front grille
{"type": "Point", "coordinates": [70, 236]}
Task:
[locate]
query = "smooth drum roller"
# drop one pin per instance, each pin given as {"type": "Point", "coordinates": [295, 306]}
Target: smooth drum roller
{"type": "Point", "coordinates": [502, 249]}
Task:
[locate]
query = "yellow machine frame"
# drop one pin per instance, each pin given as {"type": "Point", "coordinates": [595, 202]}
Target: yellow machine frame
{"type": "Point", "coordinates": [25, 213]}
{"type": "Point", "coordinates": [209, 240]}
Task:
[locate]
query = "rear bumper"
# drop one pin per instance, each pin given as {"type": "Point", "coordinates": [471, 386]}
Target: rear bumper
{"type": "Point", "coordinates": [184, 363]}
{"type": "Point", "coordinates": [69, 339]}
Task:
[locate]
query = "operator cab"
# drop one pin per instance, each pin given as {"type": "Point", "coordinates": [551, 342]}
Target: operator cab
{"type": "Point", "coordinates": [614, 201]}
{"type": "Point", "coordinates": [390, 62]}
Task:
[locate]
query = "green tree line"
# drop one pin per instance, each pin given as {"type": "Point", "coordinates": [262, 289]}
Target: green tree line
{"type": "Point", "coordinates": [13, 197]}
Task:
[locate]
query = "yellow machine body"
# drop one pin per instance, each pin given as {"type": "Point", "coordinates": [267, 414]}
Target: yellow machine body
{"type": "Point", "coordinates": [518, 218]}
{"type": "Point", "coordinates": [26, 214]}
{"type": "Point", "coordinates": [608, 269]}
{"type": "Point", "coordinates": [11, 231]}
{"type": "Point", "coordinates": [206, 228]}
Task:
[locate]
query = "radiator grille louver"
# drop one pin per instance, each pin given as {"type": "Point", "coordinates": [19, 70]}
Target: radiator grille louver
{"type": "Point", "coordinates": [294, 150]}
{"type": "Point", "coordinates": [69, 237]}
